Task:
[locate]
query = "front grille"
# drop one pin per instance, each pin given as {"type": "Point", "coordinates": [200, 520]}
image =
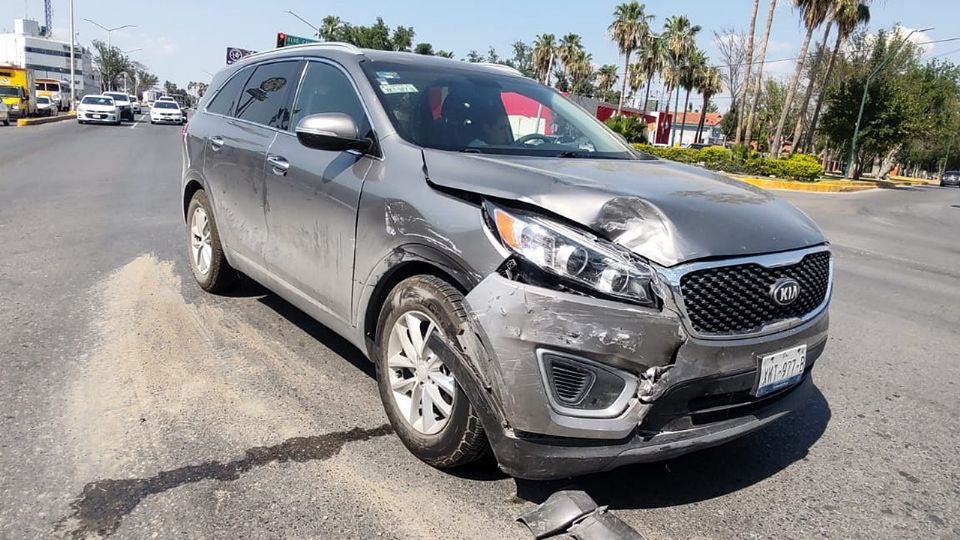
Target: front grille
{"type": "Point", "coordinates": [731, 300]}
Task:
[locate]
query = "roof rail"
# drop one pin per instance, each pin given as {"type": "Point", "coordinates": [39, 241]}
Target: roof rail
{"type": "Point", "coordinates": [349, 47]}
{"type": "Point", "coordinates": [502, 67]}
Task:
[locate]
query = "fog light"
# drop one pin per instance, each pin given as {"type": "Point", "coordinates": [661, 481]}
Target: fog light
{"type": "Point", "coordinates": [579, 387]}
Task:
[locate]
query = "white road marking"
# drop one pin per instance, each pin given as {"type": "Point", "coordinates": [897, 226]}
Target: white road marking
{"type": "Point", "coordinates": [136, 121]}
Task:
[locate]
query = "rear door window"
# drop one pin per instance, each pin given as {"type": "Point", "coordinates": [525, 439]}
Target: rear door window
{"type": "Point", "coordinates": [264, 98]}
{"type": "Point", "coordinates": [225, 102]}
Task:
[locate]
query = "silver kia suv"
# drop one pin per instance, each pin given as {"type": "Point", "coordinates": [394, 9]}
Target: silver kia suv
{"type": "Point", "coordinates": [525, 282]}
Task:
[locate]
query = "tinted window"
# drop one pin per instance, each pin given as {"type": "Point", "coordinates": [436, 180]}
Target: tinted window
{"type": "Point", "coordinates": [264, 98]}
{"type": "Point", "coordinates": [117, 97]}
{"type": "Point", "coordinates": [165, 105]}
{"type": "Point", "coordinates": [91, 100]}
{"type": "Point", "coordinates": [225, 102]}
{"type": "Point", "coordinates": [325, 89]}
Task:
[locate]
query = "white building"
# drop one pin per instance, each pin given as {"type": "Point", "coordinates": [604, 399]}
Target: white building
{"type": "Point", "coordinates": [50, 59]}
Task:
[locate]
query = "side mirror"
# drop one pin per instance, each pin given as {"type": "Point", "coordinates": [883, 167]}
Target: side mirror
{"type": "Point", "coordinates": [336, 132]}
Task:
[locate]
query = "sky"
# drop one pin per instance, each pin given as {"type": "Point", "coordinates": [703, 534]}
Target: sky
{"type": "Point", "coordinates": [186, 40]}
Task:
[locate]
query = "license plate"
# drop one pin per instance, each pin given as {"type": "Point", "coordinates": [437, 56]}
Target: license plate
{"type": "Point", "coordinates": [100, 116]}
{"type": "Point", "coordinates": [779, 370]}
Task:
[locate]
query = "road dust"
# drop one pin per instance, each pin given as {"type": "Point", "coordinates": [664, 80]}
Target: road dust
{"type": "Point", "coordinates": [172, 393]}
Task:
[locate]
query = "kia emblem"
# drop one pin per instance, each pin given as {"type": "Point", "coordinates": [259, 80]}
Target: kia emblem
{"type": "Point", "coordinates": [785, 291]}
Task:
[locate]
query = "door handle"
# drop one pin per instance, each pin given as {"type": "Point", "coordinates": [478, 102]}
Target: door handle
{"type": "Point", "coordinates": [216, 143]}
{"type": "Point", "coordinates": [280, 165]}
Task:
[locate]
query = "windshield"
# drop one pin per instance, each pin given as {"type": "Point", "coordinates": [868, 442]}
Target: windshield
{"type": "Point", "coordinates": [117, 97]}
{"type": "Point", "coordinates": [43, 99]}
{"type": "Point", "coordinates": [91, 100]}
{"type": "Point", "coordinates": [488, 113]}
{"type": "Point", "coordinates": [165, 105]}
{"type": "Point", "coordinates": [9, 91]}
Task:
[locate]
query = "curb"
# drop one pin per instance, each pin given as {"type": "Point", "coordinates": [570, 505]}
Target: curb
{"type": "Point", "coordinates": [814, 187]}
{"type": "Point", "coordinates": [26, 122]}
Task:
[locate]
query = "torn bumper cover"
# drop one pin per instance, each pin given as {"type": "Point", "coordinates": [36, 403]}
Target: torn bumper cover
{"type": "Point", "coordinates": [568, 384]}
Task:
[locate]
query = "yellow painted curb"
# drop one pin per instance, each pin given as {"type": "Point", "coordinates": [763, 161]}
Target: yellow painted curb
{"type": "Point", "coordinates": [26, 122]}
{"type": "Point", "coordinates": [828, 186]}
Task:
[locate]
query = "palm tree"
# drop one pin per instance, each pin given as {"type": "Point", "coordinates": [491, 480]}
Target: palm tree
{"type": "Point", "coordinates": [847, 15]}
{"type": "Point", "coordinates": [751, 118]}
{"type": "Point", "coordinates": [581, 71]}
{"type": "Point", "coordinates": [606, 78]}
{"type": "Point", "coordinates": [569, 50]}
{"type": "Point", "coordinates": [678, 43]}
{"type": "Point", "coordinates": [745, 95]}
{"type": "Point", "coordinates": [651, 62]}
{"type": "Point", "coordinates": [629, 28]}
{"type": "Point", "coordinates": [330, 28]}
{"type": "Point", "coordinates": [544, 49]}
{"type": "Point", "coordinates": [813, 13]}
{"type": "Point", "coordinates": [670, 74]}
{"type": "Point", "coordinates": [692, 70]}
{"type": "Point", "coordinates": [709, 84]}
{"type": "Point", "coordinates": [805, 104]}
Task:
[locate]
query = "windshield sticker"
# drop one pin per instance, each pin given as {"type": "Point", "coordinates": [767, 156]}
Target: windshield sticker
{"type": "Point", "coordinates": [388, 75]}
{"type": "Point", "coordinates": [404, 88]}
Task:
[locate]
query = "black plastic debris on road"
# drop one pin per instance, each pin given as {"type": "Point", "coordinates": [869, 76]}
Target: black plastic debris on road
{"type": "Point", "coordinates": [574, 512]}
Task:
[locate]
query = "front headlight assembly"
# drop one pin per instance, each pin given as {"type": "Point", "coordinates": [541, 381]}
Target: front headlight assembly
{"type": "Point", "coordinates": [576, 259]}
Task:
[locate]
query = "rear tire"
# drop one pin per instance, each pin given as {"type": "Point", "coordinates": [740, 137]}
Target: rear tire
{"type": "Point", "coordinates": [207, 261]}
{"type": "Point", "coordinates": [422, 303]}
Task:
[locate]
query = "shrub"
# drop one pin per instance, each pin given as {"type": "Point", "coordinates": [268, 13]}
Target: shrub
{"type": "Point", "coordinates": [741, 159]}
{"type": "Point", "coordinates": [629, 127]}
{"type": "Point", "coordinates": [802, 167]}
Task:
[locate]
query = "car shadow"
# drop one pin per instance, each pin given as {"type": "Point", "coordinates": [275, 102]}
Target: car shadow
{"type": "Point", "coordinates": [702, 475]}
{"type": "Point", "coordinates": [249, 288]}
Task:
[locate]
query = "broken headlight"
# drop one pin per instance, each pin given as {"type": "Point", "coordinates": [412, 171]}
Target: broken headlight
{"type": "Point", "coordinates": [573, 256]}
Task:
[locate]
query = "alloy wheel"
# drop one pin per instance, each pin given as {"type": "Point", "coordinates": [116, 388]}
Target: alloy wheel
{"type": "Point", "coordinates": [200, 243]}
{"type": "Point", "coordinates": [421, 385]}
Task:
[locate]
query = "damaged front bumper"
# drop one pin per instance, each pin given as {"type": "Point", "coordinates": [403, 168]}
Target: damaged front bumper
{"type": "Point", "coordinates": [568, 384]}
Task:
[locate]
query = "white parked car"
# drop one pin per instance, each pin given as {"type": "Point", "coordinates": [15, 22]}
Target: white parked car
{"type": "Point", "coordinates": [4, 114]}
{"type": "Point", "coordinates": [166, 112]}
{"type": "Point", "coordinates": [98, 109]}
{"type": "Point", "coordinates": [135, 105]}
{"type": "Point", "coordinates": [46, 106]}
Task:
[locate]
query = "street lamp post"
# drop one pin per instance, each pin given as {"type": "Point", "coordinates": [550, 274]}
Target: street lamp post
{"type": "Point", "coordinates": [863, 101]}
{"type": "Point", "coordinates": [306, 22]}
{"type": "Point", "coordinates": [109, 31]}
{"type": "Point", "coordinates": [73, 63]}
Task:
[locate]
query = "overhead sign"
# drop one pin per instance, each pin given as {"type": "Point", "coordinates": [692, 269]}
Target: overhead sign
{"type": "Point", "coordinates": [235, 55]}
{"type": "Point", "coordinates": [286, 40]}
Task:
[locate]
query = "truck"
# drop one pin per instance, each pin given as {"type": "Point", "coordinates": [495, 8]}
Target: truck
{"type": "Point", "coordinates": [18, 91]}
{"type": "Point", "coordinates": [57, 91]}
{"type": "Point", "coordinates": [149, 96]}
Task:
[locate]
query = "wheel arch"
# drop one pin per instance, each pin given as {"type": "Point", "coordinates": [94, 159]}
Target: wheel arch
{"type": "Point", "coordinates": [402, 263]}
{"type": "Point", "coordinates": [192, 186]}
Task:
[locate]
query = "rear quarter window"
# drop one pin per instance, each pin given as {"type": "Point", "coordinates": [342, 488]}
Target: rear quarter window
{"type": "Point", "coordinates": [225, 102]}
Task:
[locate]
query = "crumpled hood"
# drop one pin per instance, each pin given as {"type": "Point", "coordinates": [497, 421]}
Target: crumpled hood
{"type": "Point", "coordinates": [666, 212]}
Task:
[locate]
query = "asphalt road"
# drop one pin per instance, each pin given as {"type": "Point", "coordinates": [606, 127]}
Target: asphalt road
{"type": "Point", "coordinates": [134, 405]}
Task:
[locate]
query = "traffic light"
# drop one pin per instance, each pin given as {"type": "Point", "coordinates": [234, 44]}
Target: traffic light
{"type": "Point", "coordinates": [281, 40]}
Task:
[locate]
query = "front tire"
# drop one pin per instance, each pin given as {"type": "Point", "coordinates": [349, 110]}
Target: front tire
{"type": "Point", "coordinates": [207, 261]}
{"type": "Point", "coordinates": [426, 406]}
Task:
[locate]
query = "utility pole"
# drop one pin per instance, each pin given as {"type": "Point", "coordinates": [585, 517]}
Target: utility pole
{"type": "Point", "coordinates": [863, 100]}
{"type": "Point", "coordinates": [73, 63]}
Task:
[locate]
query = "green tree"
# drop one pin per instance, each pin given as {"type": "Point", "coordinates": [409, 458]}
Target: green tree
{"type": "Point", "coordinates": [691, 72]}
{"type": "Point", "coordinates": [651, 60]}
{"type": "Point", "coordinates": [813, 13]}
{"type": "Point", "coordinates": [847, 15]}
{"type": "Point", "coordinates": [606, 77]}
{"type": "Point", "coordinates": [708, 84]}
{"type": "Point", "coordinates": [544, 51]}
{"type": "Point", "coordinates": [744, 98]}
{"type": "Point", "coordinates": [111, 63]}
{"type": "Point", "coordinates": [630, 26]}
{"type": "Point", "coordinates": [474, 57]}
{"type": "Point", "coordinates": [679, 42]}
{"type": "Point", "coordinates": [331, 29]}
{"type": "Point", "coordinates": [752, 114]}
{"type": "Point", "coordinates": [424, 49]}
{"type": "Point", "coordinates": [402, 39]}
